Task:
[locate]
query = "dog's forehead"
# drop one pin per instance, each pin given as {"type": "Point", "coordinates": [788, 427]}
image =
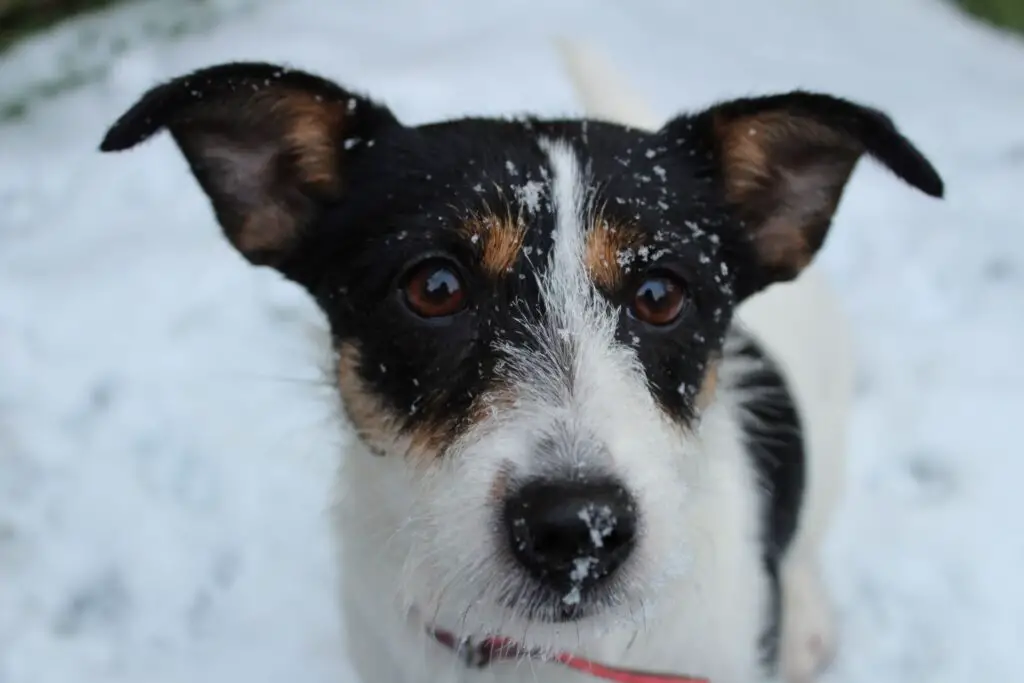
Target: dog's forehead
{"type": "Point", "coordinates": [511, 161]}
{"type": "Point", "coordinates": [631, 192]}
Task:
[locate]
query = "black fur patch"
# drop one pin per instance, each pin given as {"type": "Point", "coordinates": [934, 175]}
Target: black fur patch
{"type": "Point", "coordinates": [774, 435]}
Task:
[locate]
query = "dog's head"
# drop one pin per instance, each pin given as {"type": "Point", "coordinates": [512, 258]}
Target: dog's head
{"type": "Point", "coordinates": [527, 314]}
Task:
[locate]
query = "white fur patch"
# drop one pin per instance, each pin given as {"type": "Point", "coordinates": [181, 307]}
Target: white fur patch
{"type": "Point", "coordinates": [567, 284]}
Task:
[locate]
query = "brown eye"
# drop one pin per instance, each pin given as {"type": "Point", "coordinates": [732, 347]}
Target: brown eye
{"type": "Point", "coordinates": [659, 300]}
{"type": "Point", "coordinates": [433, 289]}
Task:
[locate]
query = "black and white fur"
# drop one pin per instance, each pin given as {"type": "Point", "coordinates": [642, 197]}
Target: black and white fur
{"type": "Point", "coordinates": [709, 447]}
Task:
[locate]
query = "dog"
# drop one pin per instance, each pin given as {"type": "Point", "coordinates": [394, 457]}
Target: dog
{"type": "Point", "coordinates": [598, 396]}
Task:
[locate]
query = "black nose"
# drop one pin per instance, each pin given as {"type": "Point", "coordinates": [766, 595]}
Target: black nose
{"type": "Point", "coordinates": [570, 535]}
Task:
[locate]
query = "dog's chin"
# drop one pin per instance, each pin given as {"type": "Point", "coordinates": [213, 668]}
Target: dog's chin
{"type": "Point", "coordinates": [538, 616]}
{"type": "Point", "coordinates": [536, 629]}
{"type": "Point", "coordinates": [548, 606]}
{"type": "Point", "coordinates": [553, 613]}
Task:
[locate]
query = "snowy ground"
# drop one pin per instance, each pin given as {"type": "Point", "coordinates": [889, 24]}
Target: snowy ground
{"type": "Point", "coordinates": [166, 452]}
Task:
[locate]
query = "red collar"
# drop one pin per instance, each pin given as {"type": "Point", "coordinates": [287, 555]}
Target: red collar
{"type": "Point", "coordinates": [500, 649]}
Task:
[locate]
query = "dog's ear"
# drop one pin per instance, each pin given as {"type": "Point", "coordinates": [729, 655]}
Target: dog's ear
{"type": "Point", "coordinates": [783, 161]}
{"type": "Point", "coordinates": [267, 144]}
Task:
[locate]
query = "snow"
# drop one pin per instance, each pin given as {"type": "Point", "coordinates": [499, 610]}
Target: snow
{"type": "Point", "coordinates": [166, 436]}
{"type": "Point", "coordinates": [529, 195]}
{"type": "Point", "coordinates": [600, 522]}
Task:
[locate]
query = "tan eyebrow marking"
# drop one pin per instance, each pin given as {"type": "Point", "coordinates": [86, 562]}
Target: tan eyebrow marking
{"type": "Point", "coordinates": [605, 244]}
{"type": "Point", "coordinates": [499, 239]}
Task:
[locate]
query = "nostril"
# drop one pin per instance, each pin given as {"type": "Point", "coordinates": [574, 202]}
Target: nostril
{"type": "Point", "coordinates": [555, 528]}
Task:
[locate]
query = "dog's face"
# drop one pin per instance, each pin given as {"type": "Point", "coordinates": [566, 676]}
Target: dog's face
{"type": "Point", "coordinates": [527, 314]}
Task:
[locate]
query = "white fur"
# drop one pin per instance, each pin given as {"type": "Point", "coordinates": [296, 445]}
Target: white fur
{"type": "Point", "coordinates": [419, 542]}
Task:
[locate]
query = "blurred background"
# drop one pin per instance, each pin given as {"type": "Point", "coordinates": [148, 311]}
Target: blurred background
{"type": "Point", "coordinates": [167, 447]}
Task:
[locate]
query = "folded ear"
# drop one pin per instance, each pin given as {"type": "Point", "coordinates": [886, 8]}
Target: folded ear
{"type": "Point", "coordinates": [783, 162]}
{"type": "Point", "coordinates": [267, 144]}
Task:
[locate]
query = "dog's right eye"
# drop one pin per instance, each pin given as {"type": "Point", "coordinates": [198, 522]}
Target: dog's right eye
{"type": "Point", "coordinates": [434, 289]}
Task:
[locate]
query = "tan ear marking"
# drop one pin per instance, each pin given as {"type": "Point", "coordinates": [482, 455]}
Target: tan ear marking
{"type": "Point", "coordinates": [785, 173]}
{"type": "Point", "coordinates": [313, 130]}
{"type": "Point", "coordinates": [266, 144]}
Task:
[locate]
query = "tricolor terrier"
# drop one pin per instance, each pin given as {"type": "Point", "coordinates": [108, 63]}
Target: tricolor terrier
{"type": "Point", "coordinates": [573, 459]}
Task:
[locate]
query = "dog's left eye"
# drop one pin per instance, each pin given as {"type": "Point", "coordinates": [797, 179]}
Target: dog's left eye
{"type": "Point", "coordinates": [434, 289]}
{"type": "Point", "coordinates": [659, 300]}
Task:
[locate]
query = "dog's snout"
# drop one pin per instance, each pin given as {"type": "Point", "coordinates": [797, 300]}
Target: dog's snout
{"type": "Point", "coordinates": [570, 535]}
